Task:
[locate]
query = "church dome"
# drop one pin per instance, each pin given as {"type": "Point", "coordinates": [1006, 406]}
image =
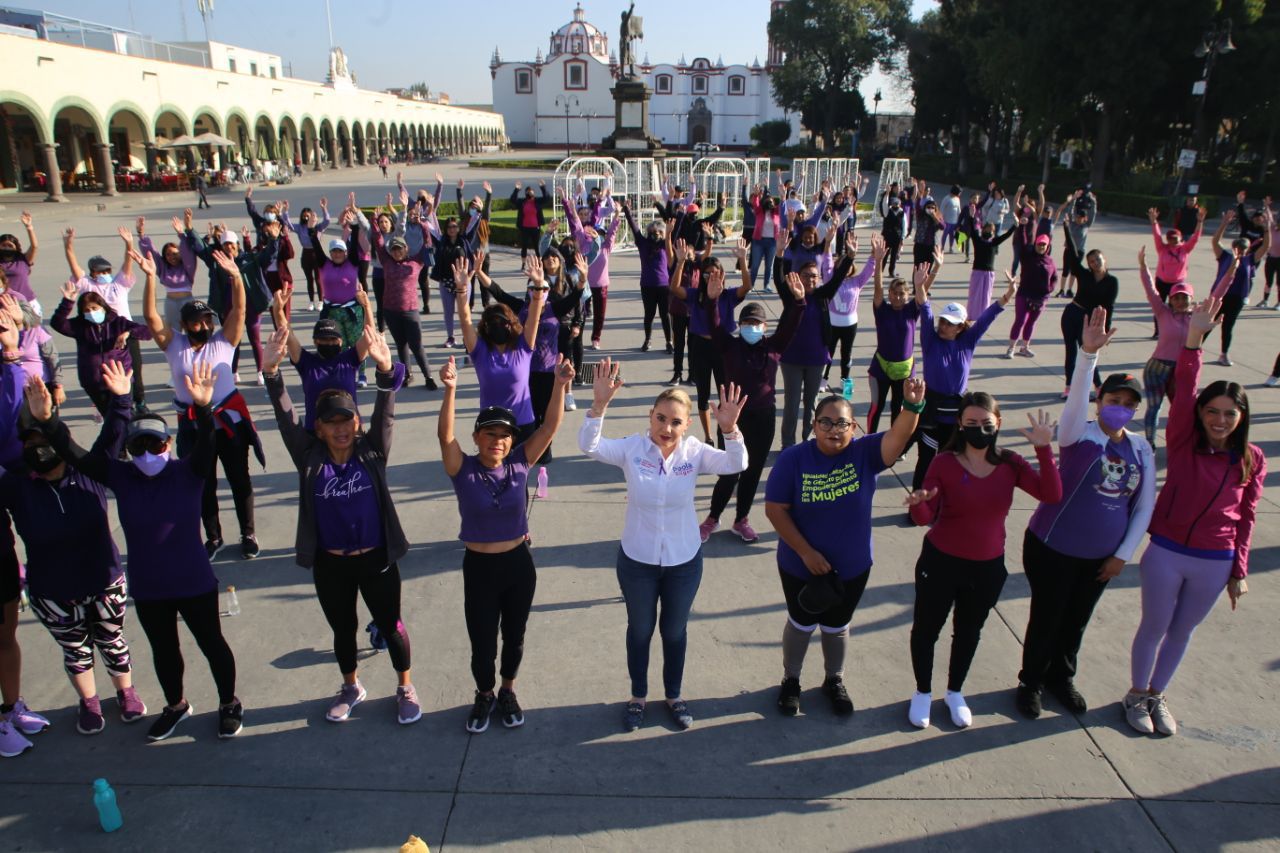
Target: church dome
{"type": "Point", "coordinates": [579, 36]}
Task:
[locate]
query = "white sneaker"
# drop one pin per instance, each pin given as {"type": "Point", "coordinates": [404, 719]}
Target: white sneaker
{"type": "Point", "coordinates": [261, 381]}
{"type": "Point", "coordinates": [1026, 352]}
{"type": "Point", "coordinates": [1162, 717]}
{"type": "Point", "coordinates": [1271, 381]}
{"type": "Point", "coordinates": [1009, 352]}
{"type": "Point", "coordinates": [311, 306]}
{"type": "Point", "coordinates": [1224, 360]}
{"type": "Point", "coordinates": [569, 404]}
{"type": "Point", "coordinates": [918, 713]}
{"type": "Point", "coordinates": [960, 713]}
{"type": "Point", "coordinates": [1137, 712]}
{"type": "Point", "coordinates": [238, 379]}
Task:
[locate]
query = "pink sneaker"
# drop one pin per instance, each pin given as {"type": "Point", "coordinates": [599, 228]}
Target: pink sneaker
{"type": "Point", "coordinates": [25, 720]}
{"type": "Point", "coordinates": [745, 530]}
{"type": "Point", "coordinates": [706, 528]}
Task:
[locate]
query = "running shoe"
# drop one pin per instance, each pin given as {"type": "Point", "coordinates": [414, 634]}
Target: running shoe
{"type": "Point", "coordinates": [230, 719]}
{"type": "Point", "coordinates": [595, 344]}
{"type": "Point", "coordinates": [1224, 360]}
{"type": "Point", "coordinates": [675, 380]}
{"type": "Point", "coordinates": [1026, 352]}
{"type": "Point", "coordinates": [745, 531]}
{"type": "Point", "coordinates": [349, 696]}
{"type": "Point", "coordinates": [1271, 381]}
{"type": "Point", "coordinates": [25, 720]}
{"type": "Point", "coordinates": [12, 743]}
{"type": "Point", "coordinates": [1137, 712]}
{"type": "Point", "coordinates": [481, 711]}
{"type": "Point", "coordinates": [918, 712]}
{"type": "Point", "coordinates": [670, 348]}
{"type": "Point", "coordinates": [706, 528]}
{"type": "Point", "coordinates": [1028, 701]}
{"type": "Point", "coordinates": [680, 715]}
{"type": "Point", "coordinates": [835, 691]}
{"type": "Point", "coordinates": [789, 697]}
{"type": "Point", "coordinates": [512, 714]}
{"type": "Point", "coordinates": [1161, 716]}
{"type": "Point", "coordinates": [429, 384]}
{"type": "Point", "coordinates": [168, 721]}
{"type": "Point", "coordinates": [633, 716]}
{"type": "Point", "coordinates": [644, 347]}
{"type": "Point", "coordinates": [249, 547]}
{"type": "Point", "coordinates": [961, 716]}
{"type": "Point", "coordinates": [570, 405]}
{"type": "Point", "coordinates": [132, 708]}
{"type": "Point", "coordinates": [407, 708]}
{"type": "Point", "coordinates": [1066, 693]}
{"type": "Point", "coordinates": [213, 546]}
{"type": "Point", "coordinates": [90, 720]}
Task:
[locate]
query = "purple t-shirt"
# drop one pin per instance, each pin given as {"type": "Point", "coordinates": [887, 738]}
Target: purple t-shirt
{"type": "Point", "coordinates": [18, 273]}
{"type": "Point", "coordinates": [830, 499]}
{"type": "Point", "coordinates": [896, 330]}
{"type": "Point", "coordinates": [547, 343]}
{"type": "Point", "coordinates": [348, 517]}
{"type": "Point", "coordinates": [491, 501]}
{"type": "Point", "coordinates": [1100, 486]}
{"type": "Point", "coordinates": [504, 377]}
{"type": "Point", "coordinates": [808, 348]}
{"type": "Point", "coordinates": [1243, 282]}
{"type": "Point", "coordinates": [339, 283]}
{"type": "Point", "coordinates": [320, 374]}
{"type": "Point", "coordinates": [700, 323]}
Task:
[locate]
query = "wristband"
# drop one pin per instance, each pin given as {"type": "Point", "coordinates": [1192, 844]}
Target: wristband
{"type": "Point", "coordinates": [915, 408]}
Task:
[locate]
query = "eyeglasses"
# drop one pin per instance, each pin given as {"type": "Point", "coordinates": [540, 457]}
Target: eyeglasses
{"type": "Point", "coordinates": [828, 425]}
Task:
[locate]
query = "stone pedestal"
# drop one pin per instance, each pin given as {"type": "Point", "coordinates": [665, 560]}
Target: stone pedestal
{"type": "Point", "coordinates": [631, 135]}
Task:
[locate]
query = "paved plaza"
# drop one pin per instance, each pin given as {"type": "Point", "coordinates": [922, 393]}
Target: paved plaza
{"type": "Point", "coordinates": [744, 777]}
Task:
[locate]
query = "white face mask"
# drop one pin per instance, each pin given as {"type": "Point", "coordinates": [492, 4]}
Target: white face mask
{"type": "Point", "coordinates": [151, 464]}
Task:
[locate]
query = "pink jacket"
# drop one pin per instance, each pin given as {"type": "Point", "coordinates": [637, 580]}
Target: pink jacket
{"type": "Point", "coordinates": [1203, 504]}
{"type": "Point", "coordinates": [1171, 263]}
{"type": "Point", "coordinates": [760, 215]}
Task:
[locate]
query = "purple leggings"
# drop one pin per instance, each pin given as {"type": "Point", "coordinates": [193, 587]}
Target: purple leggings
{"type": "Point", "coordinates": [1026, 313]}
{"type": "Point", "coordinates": [1178, 592]}
{"type": "Point", "coordinates": [980, 286]}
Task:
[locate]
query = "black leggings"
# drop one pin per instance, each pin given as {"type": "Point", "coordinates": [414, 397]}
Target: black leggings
{"type": "Point", "coordinates": [942, 580]}
{"type": "Point", "coordinates": [541, 384]}
{"type": "Point", "coordinates": [893, 248]}
{"type": "Point", "coordinates": [160, 623]}
{"type": "Point", "coordinates": [705, 362]}
{"type": "Point", "coordinates": [529, 238]}
{"type": "Point", "coordinates": [1073, 322]}
{"type": "Point", "coordinates": [842, 335]}
{"type": "Point", "coordinates": [679, 335]}
{"type": "Point", "coordinates": [1271, 271]}
{"type": "Point", "coordinates": [137, 389]}
{"type": "Point", "coordinates": [881, 387]}
{"type": "Point", "coordinates": [758, 428]}
{"type": "Point", "coordinates": [1064, 591]}
{"type": "Point", "coordinates": [497, 592]}
{"type": "Point", "coordinates": [655, 300]}
{"type": "Point", "coordinates": [233, 451]}
{"type": "Point", "coordinates": [424, 281]}
{"type": "Point", "coordinates": [406, 331]}
{"type": "Point", "coordinates": [927, 440]}
{"type": "Point", "coordinates": [338, 579]}
{"type": "Point", "coordinates": [379, 287]}
{"type": "Point", "coordinates": [1230, 312]}
{"type": "Point", "coordinates": [310, 269]}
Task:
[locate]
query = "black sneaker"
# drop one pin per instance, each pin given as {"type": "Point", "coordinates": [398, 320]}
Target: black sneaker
{"type": "Point", "coordinates": [408, 379]}
{"type": "Point", "coordinates": [1066, 693]}
{"type": "Point", "coordinates": [429, 384]}
{"type": "Point", "coordinates": [644, 347]}
{"type": "Point", "coordinates": [512, 715]}
{"type": "Point", "coordinates": [249, 547]}
{"type": "Point", "coordinates": [213, 546]}
{"type": "Point", "coordinates": [230, 719]}
{"type": "Point", "coordinates": [633, 716]}
{"type": "Point", "coordinates": [168, 721]}
{"type": "Point", "coordinates": [478, 719]}
{"type": "Point", "coordinates": [675, 380]}
{"type": "Point", "coordinates": [789, 697]}
{"type": "Point", "coordinates": [689, 382]}
{"type": "Point", "coordinates": [841, 704]}
{"type": "Point", "coordinates": [670, 348]}
{"type": "Point", "coordinates": [1028, 701]}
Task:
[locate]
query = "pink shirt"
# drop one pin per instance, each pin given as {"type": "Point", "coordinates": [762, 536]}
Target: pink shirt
{"type": "Point", "coordinates": [1171, 261]}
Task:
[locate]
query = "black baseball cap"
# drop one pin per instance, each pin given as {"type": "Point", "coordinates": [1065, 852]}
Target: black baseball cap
{"type": "Point", "coordinates": [195, 310]}
{"type": "Point", "coordinates": [338, 405]}
{"type": "Point", "coordinates": [1122, 382]}
{"type": "Point", "coordinates": [326, 328]}
{"type": "Point", "coordinates": [752, 312]}
{"type": "Point", "coordinates": [496, 416]}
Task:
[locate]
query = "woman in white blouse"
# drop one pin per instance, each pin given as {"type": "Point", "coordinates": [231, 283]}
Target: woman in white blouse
{"type": "Point", "coordinates": [660, 556]}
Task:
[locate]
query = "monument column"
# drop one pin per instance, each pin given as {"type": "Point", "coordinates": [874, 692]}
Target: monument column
{"type": "Point", "coordinates": [52, 174]}
{"type": "Point", "coordinates": [104, 163]}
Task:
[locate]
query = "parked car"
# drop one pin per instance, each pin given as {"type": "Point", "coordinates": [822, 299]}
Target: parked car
{"type": "Point", "coordinates": [702, 149]}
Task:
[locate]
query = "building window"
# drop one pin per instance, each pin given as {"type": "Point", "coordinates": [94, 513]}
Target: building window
{"type": "Point", "coordinates": [232, 64]}
{"type": "Point", "coordinates": [273, 72]}
{"type": "Point", "coordinates": [662, 84]}
{"type": "Point", "coordinates": [737, 85]}
{"type": "Point", "coordinates": [524, 81]}
{"type": "Point", "coordinates": [699, 85]}
{"type": "Point", "coordinates": [575, 75]}
{"type": "Point", "coordinates": [253, 68]}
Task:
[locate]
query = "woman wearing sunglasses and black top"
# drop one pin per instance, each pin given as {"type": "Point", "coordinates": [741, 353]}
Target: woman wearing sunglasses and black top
{"type": "Point", "coordinates": [498, 576]}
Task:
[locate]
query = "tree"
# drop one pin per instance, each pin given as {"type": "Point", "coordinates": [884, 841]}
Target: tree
{"type": "Point", "coordinates": [830, 45]}
{"type": "Point", "coordinates": [771, 134]}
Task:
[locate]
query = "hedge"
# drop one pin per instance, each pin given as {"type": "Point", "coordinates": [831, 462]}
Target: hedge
{"type": "Point", "coordinates": [550, 165]}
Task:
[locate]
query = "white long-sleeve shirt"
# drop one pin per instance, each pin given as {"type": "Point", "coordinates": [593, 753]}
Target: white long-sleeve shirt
{"type": "Point", "coordinates": [661, 524]}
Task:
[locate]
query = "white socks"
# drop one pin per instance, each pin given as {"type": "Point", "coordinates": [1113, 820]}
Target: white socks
{"type": "Point", "coordinates": [918, 713]}
{"type": "Point", "coordinates": [960, 713]}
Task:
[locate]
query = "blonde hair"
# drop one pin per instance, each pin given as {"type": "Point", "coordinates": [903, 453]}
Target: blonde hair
{"type": "Point", "coordinates": [674, 395]}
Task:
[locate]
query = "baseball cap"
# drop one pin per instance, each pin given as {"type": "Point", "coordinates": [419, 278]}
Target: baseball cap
{"type": "Point", "coordinates": [397, 243]}
{"type": "Point", "coordinates": [1043, 238]}
{"type": "Point", "coordinates": [337, 244]}
{"type": "Point", "coordinates": [752, 312]}
{"type": "Point", "coordinates": [195, 310]}
{"type": "Point", "coordinates": [496, 416]}
{"type": "Point", "coordinates": [692, 208]}
{"type": "Point", "coordinates": [326, 328]}
{"type": "Point", "coordinates": [150, 425]}
{"type": "Point", "coordinates": [338, 405]}
{"type": "Point", "coordinates": [97, 262]}
{"type": "Point", "coordinates": [954, 313]}
{"type": "Point", "coordinates": [230, 237]}
{"type": "Point", "coordinates": [1122, 382]}
{"type": "Point", "coordinates": [1182, 287]}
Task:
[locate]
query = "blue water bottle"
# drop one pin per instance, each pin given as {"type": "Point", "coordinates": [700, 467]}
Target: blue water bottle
{"type": "Point", "coordinates": [105, 800]}
{"type": "Point", "coordinates": [847, 390]}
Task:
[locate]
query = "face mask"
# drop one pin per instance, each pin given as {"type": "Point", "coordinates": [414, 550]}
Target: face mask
{"type": "Point", "coordinates": [269, 217]}
{"type": "Point", "coordinates": [97, 316]}
{"type": "Point", "coordinates": [751, 334]}
{"type": "Point", "coordinates": [499, 334]}
{"type": "Point", "coordinates": [978, 437]}
{"type": "Point", "coordinates": [327, 351]}
{"type": "Point", "coordinates": [198, 336]}
{"type": "Point", "coordinates": [1115, 417]}
{"type": "Point", "coordinates": [103, 278]}
{"type": "Point", "coordinates": [7, 255]}
{"type": "Point", "coordinates": [150, 463]}
{"type": "Point", "coordinates": [41, 459]}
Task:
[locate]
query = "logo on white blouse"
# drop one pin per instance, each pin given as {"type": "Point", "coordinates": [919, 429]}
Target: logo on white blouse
{"type": "Point", "coordinates": [347, 488]}
{"type": "Point", "coordinates": [683, 469]}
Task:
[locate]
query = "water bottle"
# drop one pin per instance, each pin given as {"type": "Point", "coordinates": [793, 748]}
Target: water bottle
{"type": "Point", "coordinates": [105, 800]}
{"type": "Point", "coordinates": [541, 493]}
{"type": "Point", "coordinates": [233, 603]}
{"type": "Point", "coordinates": [847, 390]}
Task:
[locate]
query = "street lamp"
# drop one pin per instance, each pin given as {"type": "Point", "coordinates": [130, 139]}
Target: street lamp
{"type": "Point", "coordinates": [1213, 43]}
{"type": "Point", "coordinates": [875, 118]}
{"type": "Point", "coordinates": [588, 115]}
{"type": "Point", "coordinates": [568, 102]}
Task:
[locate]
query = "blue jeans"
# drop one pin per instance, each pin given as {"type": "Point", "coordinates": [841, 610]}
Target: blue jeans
{"type": "Point", "coordinates": [762, 249]}
{"type": "Point", "coordinates": [643, 586]}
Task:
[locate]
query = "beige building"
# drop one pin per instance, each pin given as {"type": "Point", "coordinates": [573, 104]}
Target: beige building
{"type": "Point", "coordinates": [82, 103]}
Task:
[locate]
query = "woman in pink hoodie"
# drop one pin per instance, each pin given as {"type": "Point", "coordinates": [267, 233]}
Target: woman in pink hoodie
{"type": "Point", "coordinates": [1200, 529]}
{"type": "Point", "coordinates": [1172, 255]}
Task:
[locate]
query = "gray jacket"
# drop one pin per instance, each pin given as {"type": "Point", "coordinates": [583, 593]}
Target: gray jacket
{"type": "Point", "coordinates": [309, 454]}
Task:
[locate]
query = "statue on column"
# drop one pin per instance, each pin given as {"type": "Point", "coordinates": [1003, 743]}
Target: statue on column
{"type": "Point", "coordinates": [632, 30]}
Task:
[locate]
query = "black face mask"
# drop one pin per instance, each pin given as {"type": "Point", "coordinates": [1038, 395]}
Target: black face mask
{"type": "Point", "coordinates": [978, 437]}
{"type": "Point", "coordinates": [8, 255]}
{"type": "Point", "coordinates": [328, 351]}
{"type": "Point", "coordinates": [499, 333]}
{"type": "Point", "coordinates": [198, 336]}
{"type": "Point", "coordinates": [41, 458]}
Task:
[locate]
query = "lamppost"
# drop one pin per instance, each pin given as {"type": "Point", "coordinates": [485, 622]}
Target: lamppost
{"type": "Point", "coordinates": [875, 119]}
{"type": "Point", "coordinates": [588, 115]}
{"type": "Point", "coordinates": [1214, 42]}
{"type": "Point", "coordinates": [568, 102]}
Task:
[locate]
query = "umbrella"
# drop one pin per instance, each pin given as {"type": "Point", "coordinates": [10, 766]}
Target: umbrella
{"type": "Point", "coordinates": [182, 141]}
{"type": "Point", "coordinates": [212, 139]}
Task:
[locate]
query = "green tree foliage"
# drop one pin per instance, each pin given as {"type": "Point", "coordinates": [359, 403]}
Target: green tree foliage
{"type": "Point", "coordinates": [771, 134]}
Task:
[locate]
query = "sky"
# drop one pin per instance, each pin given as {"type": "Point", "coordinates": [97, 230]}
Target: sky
{"type": "Point", "coordinates": [391, 44]}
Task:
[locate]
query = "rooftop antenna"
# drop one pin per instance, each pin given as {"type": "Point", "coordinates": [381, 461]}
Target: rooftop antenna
{"type": "Point", "coordinates": [182, 16]}
{"type": "Point", "coordinates": [206, 12]}
{"type": "Point", "coordinates": [328, 14]}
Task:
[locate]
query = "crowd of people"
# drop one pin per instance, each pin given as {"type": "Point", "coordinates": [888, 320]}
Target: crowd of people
{"type": "Point", "coordinates": [371, 271]}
